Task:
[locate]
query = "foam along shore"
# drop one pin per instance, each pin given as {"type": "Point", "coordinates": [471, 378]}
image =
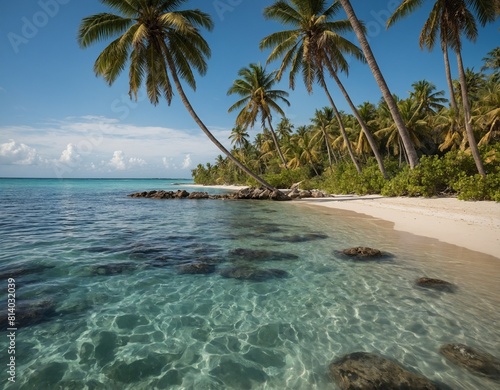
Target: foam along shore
{"type": "Point", "coordinates": [472, 225]}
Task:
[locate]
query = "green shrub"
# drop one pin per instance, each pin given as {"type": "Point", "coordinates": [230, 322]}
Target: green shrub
{"type": "Point", "coordinates": [478, 188]}
{"type": "Point", "coordinates": [287, 177]}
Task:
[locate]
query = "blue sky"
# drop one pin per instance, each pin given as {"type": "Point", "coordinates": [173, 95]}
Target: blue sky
{"type": "Point", "coordinates": [58, 120]}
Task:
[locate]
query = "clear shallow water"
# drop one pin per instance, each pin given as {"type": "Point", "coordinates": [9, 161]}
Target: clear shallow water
{"type": "Point", "coordinates": [145, 326]}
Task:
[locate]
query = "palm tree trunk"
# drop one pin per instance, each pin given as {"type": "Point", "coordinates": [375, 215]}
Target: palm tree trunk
{"type": "Point", "coordinates": [467, 117]}
{"type": "Point", "coordinates": [368, 134]}
{"type": "Point", "coordinates": [276, 143]}
{"type": "Point", "coordinates": [453, 101]}
{"type": "Point", "coordinates": [202, 126]}
{"type": "Point", "coordinates": [379, 78]}
{"type": "Point", "coordinates": [327, 144]}
{"type": "Point", "coordinates": [342, 128]}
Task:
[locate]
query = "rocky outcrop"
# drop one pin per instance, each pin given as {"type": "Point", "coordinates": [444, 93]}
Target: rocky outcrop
{"type": "Point", "coordinates": [478, 362]}
{"type": "Point", "coordinates": [362, 370]}
{"type": "Point", "coordinates": [296, 193]}
{"type": "Point", "coordinates": [255, 193]}
{"type": "Point", "coordinates": [435, 284]}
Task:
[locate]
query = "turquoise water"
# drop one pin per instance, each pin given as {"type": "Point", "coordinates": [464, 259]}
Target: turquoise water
{"type": "Point", "coordinates": [104, 270]}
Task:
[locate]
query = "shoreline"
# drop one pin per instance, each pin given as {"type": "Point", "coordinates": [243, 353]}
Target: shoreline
{"type": "Point", "coordinates": [467, 224]}
{"type": "Point", "coordinates": [470, 225]}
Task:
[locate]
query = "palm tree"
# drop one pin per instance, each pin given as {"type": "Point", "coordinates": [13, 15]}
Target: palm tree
{"type": "Point", "coordinates": [430, 101]}
{"type": "Point", "coordinates": [239, 137]}
{"type": "Point", "coordinates": [258, 99]}
{"type": "Point", "coordinates": [452, 19]}
{"type": "Point", "coordinates": [414, 121]}
{"type": "Point", "coordinates": [161, 44]}
{"type": "Point", "coordinates": [311, 47]}
{"type": "Point", "coordinates": [323, 122]}
{"type": "Point", "coordinates": [492, 62]}
{"type": "Point", "coordinates": [284, 129]}
{"type": "Point", "coordinates": [379, 78]}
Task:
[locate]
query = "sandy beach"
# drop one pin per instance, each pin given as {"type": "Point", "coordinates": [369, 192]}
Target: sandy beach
{"type": "Point", "coordinates": [471, 225]}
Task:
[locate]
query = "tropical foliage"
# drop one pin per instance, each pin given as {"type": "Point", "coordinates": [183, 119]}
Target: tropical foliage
{"type": "Point", "coordinates": [317, 158]}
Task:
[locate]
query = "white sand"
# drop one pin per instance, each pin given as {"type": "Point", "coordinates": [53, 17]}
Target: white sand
{"type": "Point", "coordinates": [472, 225]}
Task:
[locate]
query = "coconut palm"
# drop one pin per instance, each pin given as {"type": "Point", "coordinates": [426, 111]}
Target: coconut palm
{"type": "Point", "coordinates": [322, 124]}
{"type": "Point", "coordinates": [258, 99]}
{"type": "Point", "coordinates": [239, 137]}
{"type": "Point", "coordinates": [311, 47]}
{"type": "Point", "coordinates": [451, 19]}
{"type": "Point", "coordinates": [415, 122]}
{"type": "Point", "coordinates": [430, 101]}
{"type": "Point", "coordinates": [492, 62]}
{"type": "Point", "coordinates": [160, 44]}
{"type": "Point", "coordinates": [379, 78]}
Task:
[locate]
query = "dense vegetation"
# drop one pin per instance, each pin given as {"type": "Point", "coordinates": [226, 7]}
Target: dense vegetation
{"type": "Point", "coordinates": [419, 145]}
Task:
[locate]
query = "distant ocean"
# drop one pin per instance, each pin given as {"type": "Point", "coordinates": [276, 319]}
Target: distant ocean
{"type": "Point", "coordinates": [107, 298]}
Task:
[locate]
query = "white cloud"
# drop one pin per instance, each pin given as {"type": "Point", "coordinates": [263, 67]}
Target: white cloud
{"type": "Point", "coordinates": [18, 153]}
{"type": "Point", "coordinates": [187, 162]}
{"type": "Point", "coordinates": [137, 162]}
{"type": "Point", "coordinates": [70, 155]}
{"type": "Point", "coordinates": [118, 161]}
{"type": "Point", "coordinates": [88, 145]}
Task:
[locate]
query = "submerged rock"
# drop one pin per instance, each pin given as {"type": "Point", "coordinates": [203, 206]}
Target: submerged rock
{"type": "Point", "coordinates": [196, 268]}
{"type": "Point", "coordinates": [16, 270]}
{"type": "Point", "coordinates": [478, 362]}
{"type": "Point", "coordinates": [366, 371]}
{"type": "Point", "coordinates": [362, 252]}
{"type": "Point", "coordinates": [112, 268]}
{"type": "Point", "coordinates": [435, 284]}
{"type": "Point", "coordinates": [260, 255]}
{"type": "Point", "coordinates": [251, 273]}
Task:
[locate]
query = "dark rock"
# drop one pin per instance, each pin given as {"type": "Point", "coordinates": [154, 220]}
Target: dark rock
{"type": "Point", "coordinates": [305, 194]}
{"type": "Point", "coordinates": [478, 362]}
{"type": "Point", "coordinates": [253, 274]}
{"type": "Point", "coordinates": [197, 268]}
{"type": "Point", "coordinates": [181, 194]}
{"type": "Point", "coordinates": [260, 255]}
{"type": "Point", "coordinates": [112, 268]}
{"type": "Point", "coordinates": [435, 284]}
{"type": "Point", "coordinates": [29, 313]}
{"type": "Point", "coordinates": [198, 195]}
{"type": "Point", "coordinates": [14, 271]}
{"type": "Point", "coordinates": [362, 251]}
{"type": "Point", "coordinates": [366, 371]}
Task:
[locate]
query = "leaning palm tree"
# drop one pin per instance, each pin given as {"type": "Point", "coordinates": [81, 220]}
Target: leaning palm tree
{"type": "Point", "coordinates": [379, 78]}
{"type": "Point", "coordinates": [313, 45]}
{"type": "Point", "coordinates": [258, 99]}
{"type": "Point", "coordinates": [160, 44]}
{"type": "Point", "coordinates": [451, 19]}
